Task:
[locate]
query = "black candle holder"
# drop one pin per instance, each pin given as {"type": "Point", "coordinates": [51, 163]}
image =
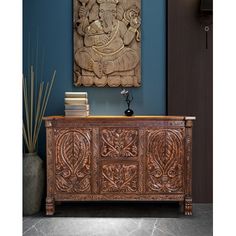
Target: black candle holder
{"type": "Point", "coordinates": [128, 98]}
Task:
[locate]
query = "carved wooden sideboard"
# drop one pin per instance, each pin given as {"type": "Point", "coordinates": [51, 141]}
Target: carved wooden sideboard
{"type": "Point", "coordinates": [119, 158]}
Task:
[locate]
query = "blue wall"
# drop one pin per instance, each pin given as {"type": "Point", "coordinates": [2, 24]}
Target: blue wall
{"type": "Point", "coordinates": [50, 23]}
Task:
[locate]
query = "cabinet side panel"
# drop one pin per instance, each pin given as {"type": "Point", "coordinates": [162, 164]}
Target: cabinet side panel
{"type": "Point", "coordinates": [188, 159]}
{"type": "Point", "coordinates": [50, 205]}
{"type": "Point", "coordinates": [188, 168]}
{"type": "Point", "coordinates": [50, 162]}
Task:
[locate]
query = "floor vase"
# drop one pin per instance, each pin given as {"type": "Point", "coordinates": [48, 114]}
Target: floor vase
{"type": "Point", "coordinates": [33, 183]}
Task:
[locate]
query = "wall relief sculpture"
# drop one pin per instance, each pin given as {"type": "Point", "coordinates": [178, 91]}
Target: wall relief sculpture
{"type": "Point", "coordinates": [107, 39]}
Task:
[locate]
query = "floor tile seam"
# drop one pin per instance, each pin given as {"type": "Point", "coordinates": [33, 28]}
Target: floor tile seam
{"type": "Point", "coordinates": [30, 228]}
{"type": "Point", "coordinates": [138, 228]}
{"type": "Point", "coordinates": [40, 231]}
{"type": "Point", "coordinates": [39, 220]}
{"type": "Point", "coordinates": [135, 221]}
{"type": "Point", "coordinates": [164, 232]}
{"type": "Point", "coordinates": [177, 225]}
{"type": "Point", "coordinates": [154, 227]}
{"type": "Point", "coordinates": [132, 231]}
{"type": "Point", "coordinates": [168, 232]}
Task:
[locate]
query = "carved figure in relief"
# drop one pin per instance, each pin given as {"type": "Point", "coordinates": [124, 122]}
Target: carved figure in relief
{"type": "Point", "coordinates": [108, 32]}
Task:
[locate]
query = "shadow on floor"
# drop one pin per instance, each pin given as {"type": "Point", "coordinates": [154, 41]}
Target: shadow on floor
{"type": "Point", "coordinates": [118, 209]}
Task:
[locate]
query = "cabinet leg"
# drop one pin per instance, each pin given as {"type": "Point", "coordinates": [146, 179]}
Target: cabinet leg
{"type": "Point", "coordinates": [50, 206]}
{"type": "Point", "coordinates": [188, 206]}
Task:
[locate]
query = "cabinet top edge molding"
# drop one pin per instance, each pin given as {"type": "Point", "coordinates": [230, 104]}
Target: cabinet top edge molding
{"type": "Point", "coordinates": [181, 118]}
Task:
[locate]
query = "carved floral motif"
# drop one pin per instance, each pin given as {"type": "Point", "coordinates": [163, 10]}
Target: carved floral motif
{"type": "Point", "coordinates": [119, 177]}
{"type": "Point", "coordinates": [119, 143]}
{"type": "Point", "coordinates": [165, 160]}
{"type": "Point", "coordinates": [73, 153]}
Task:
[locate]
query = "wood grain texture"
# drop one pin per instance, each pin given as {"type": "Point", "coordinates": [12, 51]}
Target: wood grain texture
{"type": "Point", "coordinates": [190, 86]}
{"type": "Point", "coordinates": [112, 159]}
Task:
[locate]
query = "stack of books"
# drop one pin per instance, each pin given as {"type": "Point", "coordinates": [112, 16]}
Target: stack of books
{"type": "Point", "coordinates": [76, 104]}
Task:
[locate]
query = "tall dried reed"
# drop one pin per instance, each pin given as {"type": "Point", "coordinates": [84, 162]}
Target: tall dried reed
{"type": "Point", "coordinates": [35, 103]}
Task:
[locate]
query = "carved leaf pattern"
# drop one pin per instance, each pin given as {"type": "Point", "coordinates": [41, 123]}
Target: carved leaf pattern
{"type": "Point", "coordinates": [165, 160]}
{"type": "Point", "coordinates": [117, 177]}
{"type": "Point", "coordinates": [119, 142]}
{"type": "Point", "coordinates": [73, 161]}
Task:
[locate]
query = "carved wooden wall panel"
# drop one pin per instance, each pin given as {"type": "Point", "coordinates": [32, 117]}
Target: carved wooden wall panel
{"type": "Point", "coordinates": [165, 163]}
{"type": "Point", "coordinates": [117, 142]}
{"type": "Point", "coordinates": [72, 167]}
{"type": "Point", "coordinates": [107, 39]}
{"type": "Point", "coordinates": [119, 158]}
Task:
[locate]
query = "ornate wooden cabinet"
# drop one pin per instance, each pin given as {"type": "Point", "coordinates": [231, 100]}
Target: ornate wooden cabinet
{"type": "Point", "coordinates": [119, 158]}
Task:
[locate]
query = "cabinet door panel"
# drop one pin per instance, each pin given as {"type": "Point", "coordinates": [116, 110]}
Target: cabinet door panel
{"type": "Point", "coordinates": [73, 158]}
{"type": "Point", "coordinates": [119, 155]}
{"type": "Point", "coordinates": [119, 177]}
{"type": "Point", "coordinates": [165, 160]}
{"type": "Point", "coordinates": [119, 143]}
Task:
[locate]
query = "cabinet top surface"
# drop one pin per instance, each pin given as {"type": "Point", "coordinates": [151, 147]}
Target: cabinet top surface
{"type": "Point", "coordinates": [121, 117]}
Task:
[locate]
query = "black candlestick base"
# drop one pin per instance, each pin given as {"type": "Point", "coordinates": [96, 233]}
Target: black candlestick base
{"type": "Point", "coordinates": [129, 112]}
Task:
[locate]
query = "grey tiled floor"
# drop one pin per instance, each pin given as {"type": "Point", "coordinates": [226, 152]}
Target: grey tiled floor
{"type": "Point", "coordinates": [125, 219]}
